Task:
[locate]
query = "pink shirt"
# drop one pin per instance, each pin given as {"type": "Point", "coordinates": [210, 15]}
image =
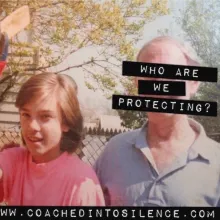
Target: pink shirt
{"type": "Point", "coordinates": [65, 181]}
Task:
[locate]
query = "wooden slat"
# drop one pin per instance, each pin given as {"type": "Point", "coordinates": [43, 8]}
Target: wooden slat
{"type": "Point", "coordinates": [8, 107]}
{"type": "Point", "coordinates": [9, 117]}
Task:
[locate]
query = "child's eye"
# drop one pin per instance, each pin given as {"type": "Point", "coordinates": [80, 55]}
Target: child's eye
{"type": "Point", "coordinates": [26, 115]}
{"type": "Point", "coordinates": [46, 116]}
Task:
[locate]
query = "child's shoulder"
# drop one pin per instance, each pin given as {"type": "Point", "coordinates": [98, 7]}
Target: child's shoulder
{"type": "Point", "coordinates": [80, 170]}
{"type": "Point", "coordinates": [11, 158]}
{"type": "Point", "coordinates": [14, 150]}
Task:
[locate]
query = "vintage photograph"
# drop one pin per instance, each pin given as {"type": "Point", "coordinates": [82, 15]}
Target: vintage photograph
{"type": "Point", "coordinates": [61, 141]}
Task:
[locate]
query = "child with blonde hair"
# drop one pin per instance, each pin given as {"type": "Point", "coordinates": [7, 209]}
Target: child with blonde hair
{"type": "Point", "coordinates": [46, 171]}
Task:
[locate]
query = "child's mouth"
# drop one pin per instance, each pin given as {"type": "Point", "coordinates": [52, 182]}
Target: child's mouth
{"type": "Point", "coordinates": [34, 139]}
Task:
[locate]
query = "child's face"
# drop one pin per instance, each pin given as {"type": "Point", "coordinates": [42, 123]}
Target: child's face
{"type": "Point", "coordinates": [42, 128]}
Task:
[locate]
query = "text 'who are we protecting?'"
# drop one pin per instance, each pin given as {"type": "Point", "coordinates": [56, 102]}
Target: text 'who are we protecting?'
{"type": "Point", "coordinates": [166, 96]}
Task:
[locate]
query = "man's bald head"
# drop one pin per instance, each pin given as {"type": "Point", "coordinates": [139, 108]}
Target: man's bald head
{"type": "Point", "coordinates": [165, 50]}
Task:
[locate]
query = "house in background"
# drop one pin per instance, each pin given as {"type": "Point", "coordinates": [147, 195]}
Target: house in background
{"type": "Point", "coordinates": [111, 122]}
{"type": "Point", "coordinates": [106, 123]}
{"type": "Point", "coordinates": [24, 55]}
{"type": "Point", "coordinates": [9, 117]}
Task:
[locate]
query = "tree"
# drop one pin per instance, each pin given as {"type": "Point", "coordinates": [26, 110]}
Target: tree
{"type": "Point", "coordinates": [60, 28]}
{"type": "Point", "coordinates": [200, 22]}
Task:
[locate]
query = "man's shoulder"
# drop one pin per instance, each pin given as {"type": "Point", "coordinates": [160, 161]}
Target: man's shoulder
{"type": "Point", "coordinates": [115, 152]}
{"type": "Point", "coordinates": [210, 149]}
{"type": "Point", "coordinates": [214, 143]}
{"type": "Point", "coordinates": [214, 148]}
{"type": "Point", "coordinates": [119, 144]}
{"type": "Point", "coordinates": [122, 140]}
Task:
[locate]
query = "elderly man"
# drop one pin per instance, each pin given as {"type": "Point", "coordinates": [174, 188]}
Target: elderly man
{"type": "Point", "coordinates": [169, 161]}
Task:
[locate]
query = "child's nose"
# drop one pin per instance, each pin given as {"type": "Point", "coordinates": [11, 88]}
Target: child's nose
{"type": "Point", "coordinates": [34, 125]}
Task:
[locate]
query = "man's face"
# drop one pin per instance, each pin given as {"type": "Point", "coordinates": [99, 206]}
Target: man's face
{"type": "Point", "coordinates": [166, 53]}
